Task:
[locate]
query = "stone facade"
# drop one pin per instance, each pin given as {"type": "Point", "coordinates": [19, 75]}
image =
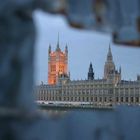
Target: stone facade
{"type": "Point", "coordinates": [57, 63]}
{"type": "Point", "coordinates": [110, 90]}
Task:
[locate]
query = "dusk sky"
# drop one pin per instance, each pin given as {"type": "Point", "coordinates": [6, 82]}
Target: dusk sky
{"type": "Point", "coordinates": [83, 46]}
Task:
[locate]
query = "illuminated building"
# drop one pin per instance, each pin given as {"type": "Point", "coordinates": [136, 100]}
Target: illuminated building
{"type": "Point", "coordinates": [57, 64]}
{"type": "Point", "coordinates": [110, 90]}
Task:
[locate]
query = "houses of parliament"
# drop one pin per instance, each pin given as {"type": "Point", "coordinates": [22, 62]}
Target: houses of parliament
{"type": "Point", "coordinates": [111, 89]}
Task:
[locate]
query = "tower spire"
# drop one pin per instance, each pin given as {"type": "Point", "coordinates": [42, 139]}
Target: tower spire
{"type": "Point", "coordinates": [58, 48]}
{"type": "Point", "coordinates": [66, 49]}
{"type": "Point", "coordinates": [58, 39]}
{"type": "Point", "coordinates": [120, 70]}
{"type": "Point", "coordinates": [90, 72]}
{"type": "Point", "coordinates": [49, 50]}
{"type": "Point", "coordinates": [109, 67]}
{"type": "Point", "coordinates": [109, 55]}
{"type": "Point", "coordinates": [109, 48]}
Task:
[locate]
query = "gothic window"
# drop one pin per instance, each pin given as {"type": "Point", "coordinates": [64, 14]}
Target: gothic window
{"type": "Point", "coordinates": [126, 99]}
{"type": "Point", "coordinates": [121, 99]}
{"type": "Point", "coordinates": [121, 91]}
{"type": "Point", "coordinates": [132, 99]}
{"type": "Point", "coordinates": [79, 98]}
{"type": "Point", "coordinates": [95, 91]}
{"type": "Point", "coordinates": [87, 99]}
{"type": "Point", "coordinates": [116, 91]}
{"type": "Point", "coordinates": [83, 99]}
{"type": "Point", "coordinates": [110, 91]}
{"type": "Point", "coordinates": [54, 81]}
{"type": "Point", "coordinates": [117, 99]}
{"type": "Point", "coordinates": [110, 99]}
{"type": "Point", "coordinates": [53, 68]}
{"type": "Point", "coordinates": [131, 90]}
{"type": "Point", "coordinates": [71, 98]}
{"type": "Point", "coordinates": [79, 93]}
{"type": "Point", "coordinates": [137, 99]}
{"type": "Point", "coordinates": [45, 98]}
{"type": "Point", "coordinates": [137, 90]}
{"type": "Point", "coordinates": [105, 99]}
{"type": "Point", "coordinates": [83, 92]}
{"type": "Point", "coordinates": [126, 90]}
{"type": "Point", "coordinates": [95, 99]}
{"type": "Point", "coordinates": [51, 98]}
{"type": "Point", "coordinates": [61, 68]}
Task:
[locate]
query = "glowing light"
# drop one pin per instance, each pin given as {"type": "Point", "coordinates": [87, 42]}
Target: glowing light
{"type": "Point", "coordinates": [57, 64]}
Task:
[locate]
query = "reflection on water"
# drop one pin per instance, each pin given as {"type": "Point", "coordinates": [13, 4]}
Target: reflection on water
{"type": "Point", "coordinates": [54, 114]}
{"type": "Point", "coordinates": [62, 112]}
{"type": "Point", "coordinates": [91, 124]}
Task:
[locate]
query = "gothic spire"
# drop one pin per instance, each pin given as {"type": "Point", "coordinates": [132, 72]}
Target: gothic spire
{"type": "Point", "coordinates": [49, 50]}
{"type": "Point", "coordinates": [109, 55]}
{"type": "Point", "coordinates": [66, 49]}
{"type": "Point", "coordinates": [90, 73]}
{"type": "Point", "coordinates": [58, 48]}
{"type": "Point", "coordinates": [120, 70]}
